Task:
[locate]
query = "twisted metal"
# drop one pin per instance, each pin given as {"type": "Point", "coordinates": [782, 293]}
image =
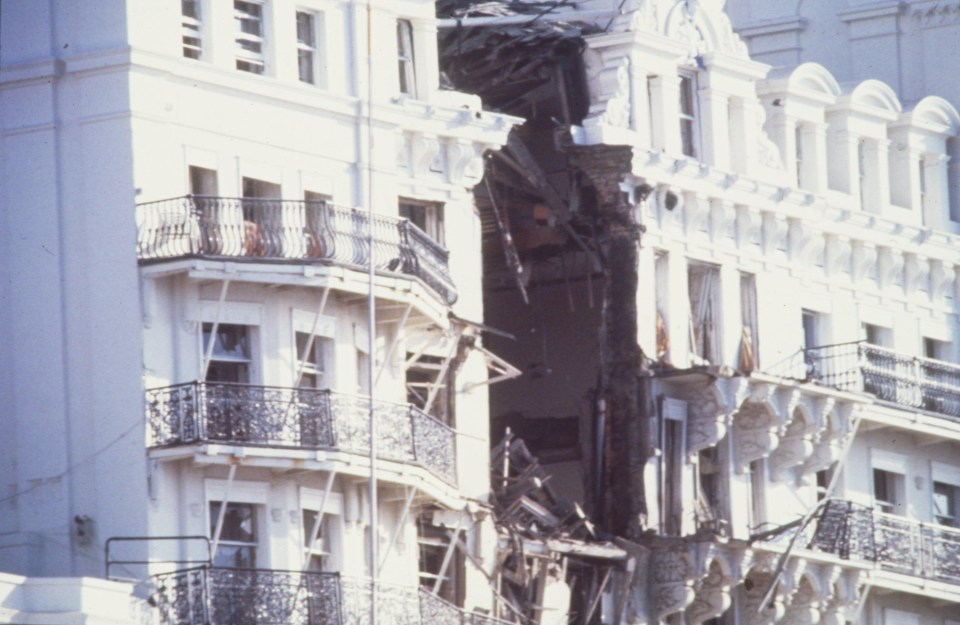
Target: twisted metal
{"type": "Point", "coordinates": [221, 596]}
{"type": "Point", "coordinates": [243, 414]}
{"type": "Point", "coordinates": [289, 230]}
{"type": "Point", "coordinates": [854, 531]}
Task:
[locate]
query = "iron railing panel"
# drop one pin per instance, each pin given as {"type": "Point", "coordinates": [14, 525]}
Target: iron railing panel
{"type": "Point", "coordinates": [299, 418]}
{"type": "Point", "coordinates": [857, 532]}
{"type": "Point", "coordinates": [909, 381]}
{"type": "Point", "coordinates": [290, 231]}
{"type": "Point", "coordinates": [222, 596]}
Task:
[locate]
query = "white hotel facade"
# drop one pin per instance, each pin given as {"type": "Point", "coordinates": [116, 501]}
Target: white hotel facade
{"type": "Point", "coordinates": [201, 179]}
{"type": "Point", "coordinates": [186, 318]}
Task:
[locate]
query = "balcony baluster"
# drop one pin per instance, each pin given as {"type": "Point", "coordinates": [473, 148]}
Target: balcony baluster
{"type": "Point", "coordinates": [274, 230]}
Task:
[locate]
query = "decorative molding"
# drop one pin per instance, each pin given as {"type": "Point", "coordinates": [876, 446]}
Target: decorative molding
{"type": "Point", "coordinates": [465, 161]}
{"type": "Point", "coordinates": [775, 231]}
{"type": "Point", "coordinates": [916, 275]}
{"type": "Point", "coordinates": [696, 214]}
{"type": "Point", "coordinates": [838, 254]}
{"type": "Point", "coordinates": [671, 579]}
{"type": "Point", "coordinates": [864, 261]}
{"type": "Point", "coordinates": [424, 149]}
{"type": "Point", "coordinates": [889, 268]}
{"type": "Point", "coordinates": [806, 242]}
{"type": "Point", "coordinates": [610, 90]}
{"type": "Point", "coordinates": [942, 277]}
{"type": "Point", "coordinates": [760, 422]}
{"type": "Point", "coordinates": [723, 220]}
{"type": "Point", "coordinates": [749, 225]}
{"type": "Point", "coordinates": [710, 412]}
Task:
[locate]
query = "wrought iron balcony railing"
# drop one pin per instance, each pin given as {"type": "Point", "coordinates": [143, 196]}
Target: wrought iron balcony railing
{"type": "Point", "coordinates": [854, 531]}
{"type": "Point", "coordinates": [242, 414]}
{"type": "Point", "coordinates": [219, 596]}
{"type": "Point", "coordinates": [909, 381]}
{"type": "Point", "coordinates": [290, 231]}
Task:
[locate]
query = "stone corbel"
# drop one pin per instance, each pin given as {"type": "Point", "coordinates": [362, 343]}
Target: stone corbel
{"type": "Point", "coordinates": [942, 276]}
{"type": "Point", "coordinates": [889, 267]}
{"type": "Point", "coordinates": [832, 440]}
{"type": "Point", "coordinates": [722, 568]}
{"type": "Point", "coordinates": [723, 218]}
{"type": "Point", "coordinates": [749, 223]}
{"type": "Point", "coordinates": [804, 606]}
{"type": "Point", "coordinates": [916, 274]}
{"type": "Point", "coordinates": [797, 442]}
{"type": "Point", "coordinates": [755, 587]}
{"type": "Point", "coordinates": [696, 212]}
{"type": "Point", "coordinates": [760, 422]}
{"type": "Point", "coordinates": [838, 255]}
{"type": "Point", "coordinates": [424, 148]}
{"type": "Point", "coordinates": [775, 230]}
{"type": "Point", "coordinates": [671, 579]}
{"type": "Point", "coordinates": [864, 261]}
{"type": "Point", "coordinates": [465, 163]}
{"type": "Point", "coordinates": [844, 593]}
{"type": "Point", "coordinates": [806, 243]}
{"type": "Point", "coordinates": [710, 412]}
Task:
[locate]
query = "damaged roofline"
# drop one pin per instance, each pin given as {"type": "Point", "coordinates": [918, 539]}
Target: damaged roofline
{"type": "Point", "coordinates": [506, 20]}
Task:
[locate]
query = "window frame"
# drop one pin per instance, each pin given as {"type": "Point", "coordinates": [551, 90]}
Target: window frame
{"type": "Point", "coordinates": [432, 218]}
{"type": "Point", "coordinates": [891, 500]}
{"type": "Point", "coordinates": [310, 49]}
{"type": "Point", "coordinates": [254, 546]}
{"type": "Point", "coordinates": [331, 528]}
{"type": "Point", "coordinates": [246, 343]}
{"type": "Point", "coordinates": [406, 58]}
{"type": "Point", "coordinates": [250, 49]}
{"type": "Point", "coordinates": [191, 27]}
{"type": "Point", "coordinates": [689, 117]}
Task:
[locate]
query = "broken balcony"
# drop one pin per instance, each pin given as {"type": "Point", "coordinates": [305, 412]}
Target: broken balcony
{"type": "Point", "coordinates": [908, 381]}
{"type": "Point", "coordinates": [896, 543]}
{"type": "Point", "coordinates": [298, 418]}
{"type": "Point", "coordinates": [289, 231]}
{"type": "Point", "coordinates": [221, 596]}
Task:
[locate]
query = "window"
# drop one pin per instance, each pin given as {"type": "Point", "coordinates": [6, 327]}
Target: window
{"type": "Point", "coordinates": [405, 57]}
{"type": "Point", "coordinates": [307, 50]}
{"type": "Point", "coordinates": [938, 350]}
{"type": "Point", "coordinates": [316, 548]}
{"type": "Point", "coordinates": [363, 373]}
{"type": "Point", "coordinates": [922, 181]}
{"type": "Point", "coordinates": [749, 340]}
{"type": "Point", "coordinates": [190, 28]}
{"type": "Point", "coordinates": [945, 504]}
{"type": "Point", "coordinates": [673, 464]}
{"type": "Point", "coordinates": [704, 287]}
{"type": "Point", "coordinates": [427, 216]}
{"type": "Point", "coordinates": [887, 491]}
{"type": "Point", "coordinates": [203, 181]}
{"type": "Point", "coordinates": [421, 376]}
{"type": "Point", "coordinates": [249, 36]}
{"type": "Point", "coordinates": [798, 146]}
{"type": "Point", "coordinates": [875, 335]}
{"type": "Point", "coordinates": [689, 139]}
{"type": "Point", "coordinates": [238, 537]}
{"type": "Point", "coordinates": [311, 370]}
{"type": "Point", "coordinates": [862, 171]}
{"type": "Point", "coordinates": [434, 543]}
{"type": "Point", "coordinates": [811, 330]}
{"type": "Point", "coordinates": [230, 358]}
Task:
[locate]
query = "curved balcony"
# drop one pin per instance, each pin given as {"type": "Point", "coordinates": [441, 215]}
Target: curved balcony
{"type": "Point", "coordinates": [909, 381]}
{"type": "Point", "coordinates": [896, 543]}
{"type": "Point", "coordinates": [290, 231]}
{"type": "Point", "coordinates": [298, 418]}
{"type": "Point", "coordinates": [220, 596]}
